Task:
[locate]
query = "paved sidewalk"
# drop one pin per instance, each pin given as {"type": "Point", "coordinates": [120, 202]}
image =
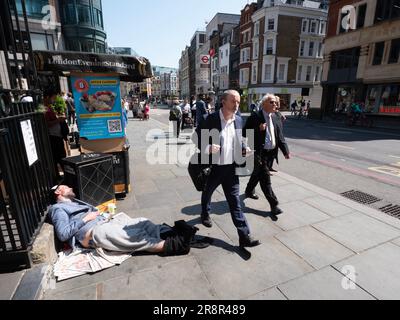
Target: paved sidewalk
{"type": "Point", "coordinates": [304, 255]}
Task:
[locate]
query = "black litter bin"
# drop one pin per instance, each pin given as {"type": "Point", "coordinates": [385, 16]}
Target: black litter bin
{"type": "Point", "coordinates": [91, 176]}
{"type": "Point", "coordinates": [121, 172]}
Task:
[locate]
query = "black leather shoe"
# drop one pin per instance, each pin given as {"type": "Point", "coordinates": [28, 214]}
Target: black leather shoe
{"type": "Point", "coordinates": [276, 211]}
{"type": "Point", "coordinates": [206, 221]}
{"type": "Point", "coordinates": [252, 196]}
{"type": "Point", "coordinates": [272, 170]}
{"type": "Point", "coordinates": [248, 242]}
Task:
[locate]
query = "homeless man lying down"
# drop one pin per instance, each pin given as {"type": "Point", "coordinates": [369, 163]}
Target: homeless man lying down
{"type": "Point", "coordinates": [78, 222]}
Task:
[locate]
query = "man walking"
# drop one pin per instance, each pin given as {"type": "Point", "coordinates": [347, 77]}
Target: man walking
{"type": "Point", "coordinates": [269, 139]}
{"type": "Point", "coordinates": [226, 126]}
{"type": "Point", "coordinates": [201, 109]}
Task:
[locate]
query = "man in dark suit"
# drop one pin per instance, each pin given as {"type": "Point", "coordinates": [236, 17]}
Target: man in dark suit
{"type": "Point", "coordinates": [220, 140]}
{"type": "Point", "coordinates": [201, 109]}
{"type": "Point", "coordinates": [268, 134]}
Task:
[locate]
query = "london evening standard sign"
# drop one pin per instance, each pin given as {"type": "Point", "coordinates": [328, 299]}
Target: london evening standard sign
{"type": "Point", "coordinates": [128, 67]}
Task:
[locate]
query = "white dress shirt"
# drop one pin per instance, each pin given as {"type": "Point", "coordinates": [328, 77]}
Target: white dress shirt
{"type": "Point", "coordinates": [227, 140]}
{"type": "Point", "coordinates": [270, 139]}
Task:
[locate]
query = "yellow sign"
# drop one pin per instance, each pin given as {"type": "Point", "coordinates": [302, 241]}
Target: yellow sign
{"type": "Point", "coordinates": [100, 115]}
{"type": "Point", "coordinates": [103, 82]}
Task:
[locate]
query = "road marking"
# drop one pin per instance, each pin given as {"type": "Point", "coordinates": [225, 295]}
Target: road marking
{"type": "Point", "coordinates": [396, 157]}
{"type": "Point", "coordinates": [344, 147]}
{"type": "Point", "coordinates": [387, 170]}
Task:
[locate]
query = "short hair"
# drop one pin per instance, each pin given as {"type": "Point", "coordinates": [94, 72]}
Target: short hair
{"type": "Point", "coordinates": [228, 93]}
{"type": "Point", "coordinates": [267, 97]}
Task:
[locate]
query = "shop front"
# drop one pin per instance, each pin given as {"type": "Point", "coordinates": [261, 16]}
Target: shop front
{"type": "Point", "coordinates": [383, 99]}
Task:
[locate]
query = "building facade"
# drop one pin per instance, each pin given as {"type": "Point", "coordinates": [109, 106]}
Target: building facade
{"type": "Point", "coordinates": [184, 79]}
{"type": "Point", "coordinates": [169, 84]}
{"type": "Point", "coordinates": [282, 51]}
{"type": "Point", "coordinates": [362, 57]}
{"type": "Point", "coordinates": [198, 76]}
{"type": "Point", "coordinates": [83, 26]}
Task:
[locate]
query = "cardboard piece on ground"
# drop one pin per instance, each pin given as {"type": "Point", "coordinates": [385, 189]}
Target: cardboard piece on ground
{"type": "Point", "coordinates": [103, 145]}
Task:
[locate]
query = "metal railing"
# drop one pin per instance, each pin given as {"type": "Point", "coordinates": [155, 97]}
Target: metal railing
{"type": "Point", "coordinates": [25, 181]}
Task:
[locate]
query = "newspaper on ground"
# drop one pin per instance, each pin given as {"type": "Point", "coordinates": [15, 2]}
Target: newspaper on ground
{"type": "Point", "coordinates": [71, 264]}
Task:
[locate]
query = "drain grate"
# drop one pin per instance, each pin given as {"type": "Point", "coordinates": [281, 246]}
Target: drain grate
{"type": "Point", "coordinates": [360, 197]}
{"type": "Point", "coordinates": [392, 210]}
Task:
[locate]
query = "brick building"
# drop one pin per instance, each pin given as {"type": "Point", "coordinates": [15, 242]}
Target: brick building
{"type": "Point", "coordinates": [362, 53]}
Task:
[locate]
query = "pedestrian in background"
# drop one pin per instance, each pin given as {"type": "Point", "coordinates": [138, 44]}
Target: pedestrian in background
{"type": "Point", "coordinates": [193, 109]}
{"type": "Point", "coordinates": [175, 115]}
{"type": "Point", "coordinates": [201, 109]}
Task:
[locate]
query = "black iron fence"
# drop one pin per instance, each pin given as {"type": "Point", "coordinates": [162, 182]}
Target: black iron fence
{"type": "Point", "coordinates": [26, 177]}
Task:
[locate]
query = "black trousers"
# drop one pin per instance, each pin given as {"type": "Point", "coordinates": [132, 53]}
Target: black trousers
{"type": "Point", "coordinates": [226, 176]}
{"type": "Point", "coordinates": [261, 174]}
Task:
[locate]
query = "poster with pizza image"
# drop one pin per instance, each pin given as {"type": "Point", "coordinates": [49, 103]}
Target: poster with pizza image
{"type": "Point", "coordinates": [98, 106]}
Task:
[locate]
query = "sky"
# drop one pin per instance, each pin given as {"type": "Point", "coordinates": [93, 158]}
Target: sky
{"type": "Point", "coordinates": [160, 29]}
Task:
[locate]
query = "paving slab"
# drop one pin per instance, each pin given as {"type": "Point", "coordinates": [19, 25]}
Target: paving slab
{"type": "Point", "coordinates": [397, 241]}
{"type": "Point", "coordinates": [299, 214]}
{"type": "Point", "coordinates": [158, 199]}
{"type": "Point", "coordinates": [269, 295]}
{"type": "Point", "coordinates": [325, 284]}
{"type": "Point", "coordinates": [314, 247]}
{"type": "Point", "coordinates": [377, 271]}
{"type": "Point", "coordinates": [8, 284]}
{"type": "Point", "coordinates": [167, 282]}
{"type": "Point", "coordinates": [373, 213]}
{"type": "Point", "coordinates": [357, 231]}
{"type": "Point", "coordinates": [292, 192]}
{"type": "Point", "coordinates": [328, 206]}
{"type": "Point", "coordinates": [270, 264]}
{"type": "Point", "coordinates": [80, 294]}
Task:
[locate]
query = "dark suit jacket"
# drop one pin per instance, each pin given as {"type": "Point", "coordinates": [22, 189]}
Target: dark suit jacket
{"type": "Point", "coordinates": [213, 124]}
{"type": "Point", "coordinates": [254, 122]}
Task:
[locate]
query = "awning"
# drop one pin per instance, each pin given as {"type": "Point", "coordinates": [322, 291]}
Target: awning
{"type": "Point", "coordinates": [130, 68]}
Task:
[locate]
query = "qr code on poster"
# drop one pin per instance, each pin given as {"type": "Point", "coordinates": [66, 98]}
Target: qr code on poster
{"type": "Point", "coordinates": [114, 126]}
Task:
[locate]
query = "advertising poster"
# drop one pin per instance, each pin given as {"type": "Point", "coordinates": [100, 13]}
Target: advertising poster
{"type": "Point", "coordinates": [98, 106]}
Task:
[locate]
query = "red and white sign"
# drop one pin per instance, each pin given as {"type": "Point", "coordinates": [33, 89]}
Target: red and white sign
{"type": "Point", "coordinates": [205, 59]}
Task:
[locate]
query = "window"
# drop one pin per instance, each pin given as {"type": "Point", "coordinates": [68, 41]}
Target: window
{"type": "Point", "coordinates": [313, 27]}
{"type": "Point", "coordinates": [87, 45]}
{"type": "Point", "coordinates": [386, 10]}
{"type": "Point", "coordinates": [320, 49]}
{"type": "Point", "coordinates": [33, 8]}
{"type": "Point", "coordinates": [394, 51]}
{"type": "Point", "coordinates": [302, 46]}
{"type": "Point", "coordinates": [222, 54]}
{"type": "Point", "coordinates": [300, 73]}
{"type": "Point", "coordinates": [317, 71]}
{"type": "Point", "coordinates": [361, 15]}
{"type": "Point", "coordinates": [305, 25]}
{"type": "Point", "coordinates": [257, 29]}
{"type": "Point", "coordinates": [69, 14]}
{"type": "Point", "coordinates": [378, 55]}
{"type": "Point", "coordinates": [281, 72]}
{"type": "Point", "coordinates": [308, 74]}
{"type": "Point", "coordinates": [345, 59]}
{"type": "Point", "coordinates": [83, 14]}
{"type": "Point", "coordinates": [254, 74]}
{"type": "Point", "coordinates": [268, 72]}
{"type": "Point", "coordinates": [269, 47]}
{"type": "Point", "coordinates": [323, 28]}
{"type": "Point", "coordinates": [256, 48]}
{"type": "Point", "coordinates": [311, 49]}
{"type": "Point", "coordinates": [271, 24]}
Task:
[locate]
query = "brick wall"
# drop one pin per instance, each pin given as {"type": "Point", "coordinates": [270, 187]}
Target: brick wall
{"type": "Point", "coordinates": [334, 12]}
{"type": "Point", "coordinates": [288, 41]}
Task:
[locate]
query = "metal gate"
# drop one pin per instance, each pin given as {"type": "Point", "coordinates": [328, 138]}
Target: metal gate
{"type": "Point", "coordinates": [26, 177]}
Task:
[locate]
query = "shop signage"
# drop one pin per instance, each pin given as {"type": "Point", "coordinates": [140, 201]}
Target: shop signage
{"type": "Point", "coordinates": [29, 141]}
{"type": "Point", "coordinates": [383, 109]}
{"type": "Point", "coordinates": [98, 106]}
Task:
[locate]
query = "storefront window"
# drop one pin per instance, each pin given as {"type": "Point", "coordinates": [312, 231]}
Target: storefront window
{"type": "Point", "coordinates": [390, 101]}
{"type": "Point", "coordinates": [87, 45]}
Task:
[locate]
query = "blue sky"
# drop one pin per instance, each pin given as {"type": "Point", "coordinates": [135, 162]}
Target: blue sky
{"type": "Point", "coordinates": [160, 29]}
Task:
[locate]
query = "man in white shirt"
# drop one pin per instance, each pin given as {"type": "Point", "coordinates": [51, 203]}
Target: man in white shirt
{"type": "Point", "coordinates": [226, 152]}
